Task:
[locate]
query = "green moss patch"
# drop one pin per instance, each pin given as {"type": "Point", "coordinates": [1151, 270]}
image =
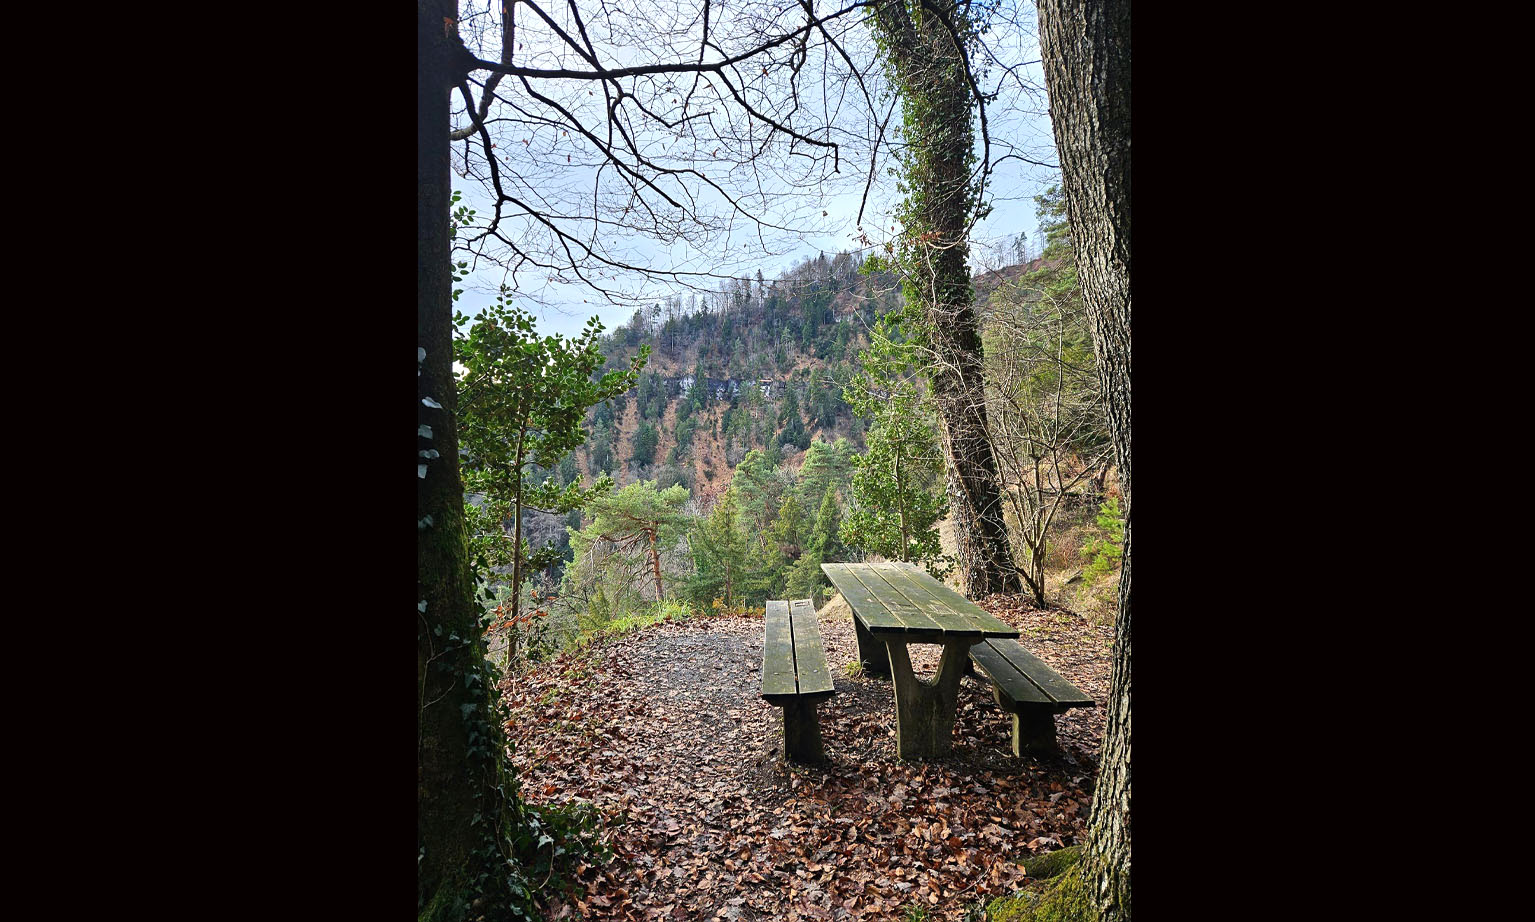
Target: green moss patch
{"type": "Point", "coordinates": [1058, 896]}
{"type": "Point", "coordinates": [1051, 864]}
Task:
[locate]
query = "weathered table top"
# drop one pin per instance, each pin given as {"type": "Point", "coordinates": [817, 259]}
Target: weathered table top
{"type": "Point", "coordinates": [901, 599]}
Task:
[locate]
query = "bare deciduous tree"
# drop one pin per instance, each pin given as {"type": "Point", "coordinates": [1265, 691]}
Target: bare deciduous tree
{"type": "Point", "coordinates": [1045, 413]}
{"type": "Point", "coordinates": [650, 140]}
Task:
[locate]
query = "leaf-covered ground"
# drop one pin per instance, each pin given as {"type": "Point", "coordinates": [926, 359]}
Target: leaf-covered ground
{"type": "Point", "coordinates": [664, 731]}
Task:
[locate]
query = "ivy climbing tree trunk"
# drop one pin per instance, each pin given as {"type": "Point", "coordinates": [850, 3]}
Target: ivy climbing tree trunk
{"type": "Point", "coordinates": [511, 630]}
{"type": "Point", "coordinates": [1086, 50]}
{"type": "Point", "coordinates": [450, 786]}
{"type": "Point", "coordinates": [926, 54]}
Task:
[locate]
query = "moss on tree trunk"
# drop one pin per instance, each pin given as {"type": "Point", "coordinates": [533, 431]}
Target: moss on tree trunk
{"type": "Point", "coordinates": [1060, 895]}
{"type": "Point", "coordinates": [931, 71]}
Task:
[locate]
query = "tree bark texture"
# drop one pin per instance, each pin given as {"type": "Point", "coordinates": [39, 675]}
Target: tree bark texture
{"type": "Point", "coordinates": [936, 100]}
{"type": "Point", "coordinates": [1087, 72]}
{"type": "Point", "coordinates": [445, 790]}
{"type": "Point", "coordinates": [1086, 51]}
{"type": "Point", "coordinates": [655, 562]}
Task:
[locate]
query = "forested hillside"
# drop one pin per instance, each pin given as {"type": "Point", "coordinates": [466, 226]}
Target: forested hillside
{"type": "Point", "coordinates": [757, 364]}
{"type": "Point", "coordinates": [773, 426]}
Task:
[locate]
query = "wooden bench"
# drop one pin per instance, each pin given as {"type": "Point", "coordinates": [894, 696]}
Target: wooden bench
{"type": "Point", "coordinates": [795, 676]}
{"type": "Point", "coordinates": [1033, 692]}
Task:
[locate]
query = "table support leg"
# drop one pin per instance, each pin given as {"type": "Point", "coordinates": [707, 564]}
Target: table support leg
{"type": "Point", "coordinates": [924, 710]}
{"type": "Point", "coordinates": [871, 653]}
{"type": "Point", "coordinates": [802, 732]}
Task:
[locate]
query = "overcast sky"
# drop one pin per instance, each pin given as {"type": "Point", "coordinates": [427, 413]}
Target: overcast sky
{"type": "Point", "coordinates": [1018, 124]}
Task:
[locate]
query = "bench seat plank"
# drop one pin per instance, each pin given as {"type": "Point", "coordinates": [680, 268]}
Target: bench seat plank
{"type": "Point", "coordinates": [1006, 676]}
{"type": "Point", "coordinates": [778, 678]}
{"type": "Point", "coordinates": [795, 676]}
{"type": "Point", "coordinates": [809, 653]}
{"type": "Point", "coordinates": [1032, 691]}
{"type": "Point", "coordinates": [1025, 678]}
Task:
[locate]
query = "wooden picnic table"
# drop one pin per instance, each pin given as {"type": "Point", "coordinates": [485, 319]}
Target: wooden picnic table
{"type": "Point", "coordinates": [897, 604]}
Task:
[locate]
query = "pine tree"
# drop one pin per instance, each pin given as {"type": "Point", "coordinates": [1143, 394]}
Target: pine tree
{"type": "Point", "coordinates": [640, 519]}
{"type": "Point", "coordinates": [759, 489]}
{"type": "Point", "coordinates": [821, 545]}
{"type": "Point", "coordinates": [720, 554]}
{"type": "Point", "coordinates": [793, 426]}
{"type": "Point", "coordinates": [826, 465]}
{"type": "Point", "coordinates": [644, 445]}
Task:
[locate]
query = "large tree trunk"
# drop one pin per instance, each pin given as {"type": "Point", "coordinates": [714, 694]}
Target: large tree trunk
{"type": "Point", "coordinates": [936, 103]}
{"type": "Point", "coordinates": [975, 498]}
{"type": "Point", "coordinates": [1086, 50]}
{"type": "Point", "coordinates": [447, 785]}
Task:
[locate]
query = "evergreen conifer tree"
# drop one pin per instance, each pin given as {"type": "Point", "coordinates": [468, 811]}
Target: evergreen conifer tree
{"type": "Point", "coordinates": [720, 555]}
{"type": "Point", "coordinates": [821, 545]}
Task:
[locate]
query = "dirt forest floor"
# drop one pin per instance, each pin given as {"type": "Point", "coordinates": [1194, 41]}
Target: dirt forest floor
{"type": "Point", "coordinates": [664, 731]}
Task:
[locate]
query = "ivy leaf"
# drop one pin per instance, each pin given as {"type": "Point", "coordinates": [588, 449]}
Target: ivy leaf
{"type": "Point", "coordinates": [421, 471]}
{"type": "Point", "coordinates": [421, 607]}
{"type": "Point", "coordinates": [431, 403]}
{"type": "Point", "coordinates": [424, 432]}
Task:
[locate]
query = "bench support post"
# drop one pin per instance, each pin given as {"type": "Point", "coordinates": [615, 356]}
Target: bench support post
{"type": "Point", "coordinates": [1033, 727]}
{"type": "Point", "coordinates": [1033, 733]}
{"type": "Point", "coordinates": [802, 732]}
{"type": "Point", "coordinates": [924, 710]}
{"type": "Point", "coordinates": [871, 652]}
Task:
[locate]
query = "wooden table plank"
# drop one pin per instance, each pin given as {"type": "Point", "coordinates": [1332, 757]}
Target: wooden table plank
{"type": "Point", "coordinates": [875, 616]}
{"type": "Point", "coordinates": [897, 577]}
{"type": "Point", "coordinates": [944, 605]}
{"type": "Point", "coordinates": [809, 655]}
{"type": "Point", "coordinates": [913, 620]}
{"type": "Point", "coordinates": [778, 652]}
